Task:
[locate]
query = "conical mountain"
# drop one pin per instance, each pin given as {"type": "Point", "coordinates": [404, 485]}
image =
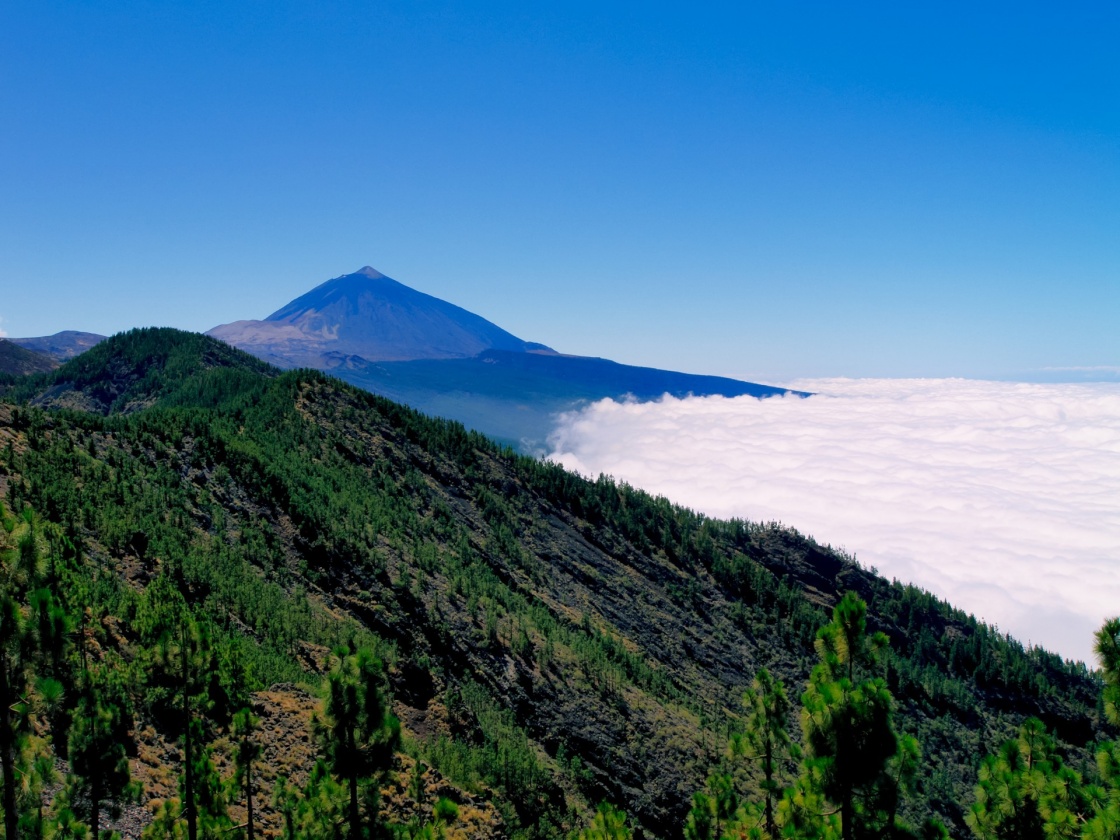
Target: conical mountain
{"type": "Point", "coordinates": [370, 316]}
{"type": "Point", "coordinates": [383, 336]}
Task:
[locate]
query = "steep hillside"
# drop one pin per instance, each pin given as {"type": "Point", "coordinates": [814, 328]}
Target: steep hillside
{"type": "Point", "coordinates": [551, 641]}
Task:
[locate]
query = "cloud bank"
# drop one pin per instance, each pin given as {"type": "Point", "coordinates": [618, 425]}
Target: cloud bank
{"type": "Point", "coordinates": [1002, 497]}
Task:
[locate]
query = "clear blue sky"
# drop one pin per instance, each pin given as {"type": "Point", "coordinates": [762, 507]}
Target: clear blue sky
{"type": "Point", "coordinates": [794, 190]}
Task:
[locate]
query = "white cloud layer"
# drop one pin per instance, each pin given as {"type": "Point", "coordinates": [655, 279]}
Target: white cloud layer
{"type": "Point", "coordinates": [1003, 498]}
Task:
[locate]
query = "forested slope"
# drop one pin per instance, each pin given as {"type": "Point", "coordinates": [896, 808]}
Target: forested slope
{"type": "Point", "coordinates": [549, 642]}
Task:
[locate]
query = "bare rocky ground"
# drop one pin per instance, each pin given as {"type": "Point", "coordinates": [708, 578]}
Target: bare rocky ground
{"type": "Point", "coordinates": [289, 753]}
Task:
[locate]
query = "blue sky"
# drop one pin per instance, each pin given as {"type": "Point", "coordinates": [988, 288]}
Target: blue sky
{"type": "Point", "coordinates": [790, 190]}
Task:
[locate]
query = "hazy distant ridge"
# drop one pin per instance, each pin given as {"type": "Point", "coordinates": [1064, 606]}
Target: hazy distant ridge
{"type": "Point", "coordinates": [62, 346]}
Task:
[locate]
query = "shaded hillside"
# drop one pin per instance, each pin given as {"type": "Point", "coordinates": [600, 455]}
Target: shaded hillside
{"type": "Point", "coordinates": [19, 361]}
{"type": "Point", "coordinates": [551, 641]}
{"type": "Point", "coordinates": [515, 397]}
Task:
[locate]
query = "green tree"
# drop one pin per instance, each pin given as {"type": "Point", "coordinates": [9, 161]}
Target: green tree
{"type": "Point", "coordinates": [189, 655]}
{"type": "Point", "coordinates": [804, 813]}
{"type": "Point", "coordinates": [13, 683]}
{"type": "Point", "coordinates": [358, 734]}
{"type": "Point", "coordinates": [36, 772]}
{"type": "Point", "coordinates": [609, 823]}
{"type": "Point", "coordinates": [18, 574]}
{"type": "Point", "coordinates": [64, 824]}
{"type": "Point", "coordinates": [186, 655]}
{"type": "Point", "coordinates": [712, 808]}
{"type": "Point", "coordinates": [246, 751]}
{"type": "Point", "coordinates": [209, 793]}
{"type": "Point", "coordinates": [97, 752]}
{"type": "Point", "coordinates": [286, 799]}
{"type": "Point", "coordinates": [315, 812]}
{"type": "Point", "coordinates": [766, 740]}
{"type": "Point", "coordinates": [1107, 648]}
{"type": "Point", "coordinates": [1012, 785]}
{"type": "Point", "coordinates": [33, 637]}
{"type": "Point", "coordinates": [178, 681]}
{"type": "Point", "coordinates": [846, 718]}
{"type": "Point", "coordinates": [167, 823]}
{"type": "Point", "coordinates": [1105, 822]}
{"type": "Point", "coordinates": [445, 812]}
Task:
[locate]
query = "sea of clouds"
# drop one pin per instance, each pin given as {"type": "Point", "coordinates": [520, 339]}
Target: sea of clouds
{"type": "Point", "coordinates": [1003, 498]}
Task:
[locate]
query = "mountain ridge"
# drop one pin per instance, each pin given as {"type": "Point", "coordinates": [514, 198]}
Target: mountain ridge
{"type": "Point", "coordinates": [599, 636]}
{"type": "Point", "coordinates": [62, 346]}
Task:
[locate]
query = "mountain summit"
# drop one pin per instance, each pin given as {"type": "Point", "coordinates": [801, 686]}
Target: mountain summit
{"type": "Point", "coordinates": [367, 317]}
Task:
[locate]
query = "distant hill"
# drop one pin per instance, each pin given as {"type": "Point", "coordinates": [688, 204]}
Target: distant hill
{"type": "Point", "coordinates": [379, 334]}
{"type": "Point", "coordinates": [133, 370]}
{"type": "Point", "coordinates": [20, 361]}
{"type": "Point", "coordinates": [61, 346]}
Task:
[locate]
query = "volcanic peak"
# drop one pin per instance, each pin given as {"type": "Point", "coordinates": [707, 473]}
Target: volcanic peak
{"type": "Point", "coordinates": [368, 315]}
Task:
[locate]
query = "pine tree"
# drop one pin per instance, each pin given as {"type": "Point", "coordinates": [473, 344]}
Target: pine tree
{"type": "Point", "coordinates": [97, 752]}
{"type": "Point", "coordinates": [189, 645]}
{"type": "Point", "coordinates": [36, 772]}
{"type": "Point", "coordinates": [846, 718]}
{"type": "Point", "coordinates": [247, 750]}
{"type": "Point", "coordinates": [609, 823]}
{"type": "Point", "coordinates": [20, 576]}
{"type": "Point", "coordinates": [1107, 648]}
{"type": "Point", "coordinates": [765, 740]}
{"type": "Point", "coordinates": [712, 809]}
{"type": "Point", "coordinates": [12, 684]}
{"type": "Point", "coordinates": [358, 733]}
{"type": "Point", "coordinates": [1105, 823]}
{"type": "Point", "coordinates": [1012, 785]}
